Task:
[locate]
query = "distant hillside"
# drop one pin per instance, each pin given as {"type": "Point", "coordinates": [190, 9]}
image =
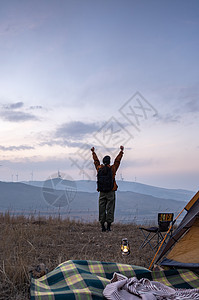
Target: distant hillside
{"type": "Point", "coordinates": [125, 186]}
{"type": "Point", "coordinates": [70, 202]}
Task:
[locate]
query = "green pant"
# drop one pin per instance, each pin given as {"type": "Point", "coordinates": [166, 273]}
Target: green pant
{"type": "Point", "coordinates": [106, 207]}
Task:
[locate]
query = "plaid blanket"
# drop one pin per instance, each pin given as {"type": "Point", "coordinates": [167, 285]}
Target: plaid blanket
{"type": "Point", "coordinates": [79, 279]}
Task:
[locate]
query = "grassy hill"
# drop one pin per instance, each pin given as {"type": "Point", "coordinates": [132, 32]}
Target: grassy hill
{"type": "Point", "coordinates": [27, 242]}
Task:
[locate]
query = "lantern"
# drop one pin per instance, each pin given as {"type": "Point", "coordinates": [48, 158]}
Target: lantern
{"type": "Point", "coordinates": [125, 248]}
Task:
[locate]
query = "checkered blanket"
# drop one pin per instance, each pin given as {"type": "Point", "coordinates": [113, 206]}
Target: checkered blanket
{"type": "Point", "coordinates": [79, 279]}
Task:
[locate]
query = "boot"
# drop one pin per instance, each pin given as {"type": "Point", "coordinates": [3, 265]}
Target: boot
{"type": "Point", "coordinates": [103, 228]}
{"type": "Point", "coordinates": [108, 226]}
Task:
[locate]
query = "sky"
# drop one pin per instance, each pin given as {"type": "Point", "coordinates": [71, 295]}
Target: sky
{"type": "Point", "coordinates": [76, 74]}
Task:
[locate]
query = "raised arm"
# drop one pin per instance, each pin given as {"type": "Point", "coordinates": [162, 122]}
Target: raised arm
{"type": "Point", "coordinates": [95, 158]}
{"type": "Point", "coordinates": [118, 158]}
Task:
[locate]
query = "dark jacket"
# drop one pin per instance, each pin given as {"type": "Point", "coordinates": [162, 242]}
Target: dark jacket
{"type": "Point", "coordinates": [113, 167]}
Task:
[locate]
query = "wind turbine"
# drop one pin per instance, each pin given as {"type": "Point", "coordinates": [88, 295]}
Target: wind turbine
{"type": "Point", "coordinates": [31, 176]}
{"type": "Point", "coordinates": [59, 174]}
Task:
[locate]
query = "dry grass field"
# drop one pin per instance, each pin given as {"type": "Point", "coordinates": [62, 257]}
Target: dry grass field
{"type": "Point", "coordinates": [27, 242]}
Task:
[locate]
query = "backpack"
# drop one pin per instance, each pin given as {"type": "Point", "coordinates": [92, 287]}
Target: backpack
{"type": "Point", "coordinates": [104, 179]}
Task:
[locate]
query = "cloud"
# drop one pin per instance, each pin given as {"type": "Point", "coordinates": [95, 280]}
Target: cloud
{"type": "Point", "coordinates": [168, 118]}
{"type": "Point", "coordinates": [17, 116]}
{"type": "Point", "coordinates": [14, 105]}
{"type": "Point", "coordinates": [19, 22]}
{"type": "Point", "coordinates": [76, 134]}
{"type": "Point", "coordinates": [63, 143]}
{"type": "Point", "coordinates": [76, 130]}
{"type": "Point", "coordinates": [15, 112]}
{"type": "Point", "coordinates": [189, 99]}
{"type": "Point", "coordinates": [192, 105]}
{"type": "Point", "coordinates": [36, 107]}
{"type": "Point", "coordinates": [16, 148]}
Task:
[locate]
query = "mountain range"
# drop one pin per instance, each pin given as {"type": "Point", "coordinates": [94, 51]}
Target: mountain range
{"type": "Point", "coordinates": [135, 202]}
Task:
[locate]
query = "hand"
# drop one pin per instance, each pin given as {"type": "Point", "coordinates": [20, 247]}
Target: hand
{"type": "Point", "coordinates": [122, 148]}
{"type": "Point", "coordinates": [92, 149]}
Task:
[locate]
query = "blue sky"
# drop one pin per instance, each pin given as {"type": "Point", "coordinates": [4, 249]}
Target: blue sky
{"type": "Point", "coordinates": [72, 73]}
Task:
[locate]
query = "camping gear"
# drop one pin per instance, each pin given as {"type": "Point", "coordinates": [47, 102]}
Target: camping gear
{"type": "Point", "coordinates": [104, 179]}
{"type": "Point", "coordinates": [124, 288]}
{"type": "Point", "coordinates": [80, 279]}
{"type": "Point", "coordinates": [182, 247]}
{"type": "Point", "coordinates": [84, 279]}
{"type": "Point", "coordinates": [152, 233]}
{"type": "Point", "coordinates": [125, 248]}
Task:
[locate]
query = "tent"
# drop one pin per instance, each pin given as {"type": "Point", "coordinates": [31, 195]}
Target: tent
{"type": "Point", "coordinates": [182, 249]}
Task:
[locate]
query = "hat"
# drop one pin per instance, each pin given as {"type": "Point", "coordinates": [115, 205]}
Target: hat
{"type": "Point", "coordinates": [106, 160]}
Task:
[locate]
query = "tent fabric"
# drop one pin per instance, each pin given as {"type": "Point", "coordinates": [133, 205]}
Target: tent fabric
{"type": "Point", "coordinates": [178, 264]}
{"type": "Point", "coordinates": [192, 201]}
{"type": "Point", "coordinates": [186, 250]}
{"type": "Point", "coordinates": [190, 219]}
{"type": "Point", "coordinates": [76, 279]}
